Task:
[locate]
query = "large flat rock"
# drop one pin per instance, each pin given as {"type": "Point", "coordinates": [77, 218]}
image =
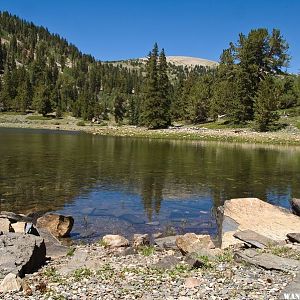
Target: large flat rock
{"type": "Point", "coordinates": [21, 254]}
{"type": "Point", "coordinates": [254, 214]}
{"type": "Point", "coordinates": [268, 261]}
{"type": "Point", "coordinates": [254, 239]}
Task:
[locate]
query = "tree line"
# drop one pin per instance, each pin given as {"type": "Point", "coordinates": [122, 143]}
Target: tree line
{"type": "Point", "coordinates": [41, 71]}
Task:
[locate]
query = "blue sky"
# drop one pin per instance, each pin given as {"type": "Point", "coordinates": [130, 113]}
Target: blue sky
{"type": "Point", "coordinates": [116, 29]}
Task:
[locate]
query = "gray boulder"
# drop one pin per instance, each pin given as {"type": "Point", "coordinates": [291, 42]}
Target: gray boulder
{"type": "Point", "coordinates": [167, 263]}
{"type": "Point", "coordinates": [13, 218]}
{"type": "Point", "coordinates": [167, 243]}
{"type": "Point", "coordinates": [268, 261]}
{"type": "Point", "coordinates": [295, 204]}
{"type": "Point", "coordinates": [54, 248]}
{"type": "Point", "coordinates": [21, 254]}
{"type": "Point", "coordinates": [294, 237]}
{"type": "Point", "coordinates": [254, 239]}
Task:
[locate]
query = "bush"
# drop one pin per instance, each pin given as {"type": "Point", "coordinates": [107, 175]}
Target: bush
{"type": "Point", "coordinates": [80, 123]}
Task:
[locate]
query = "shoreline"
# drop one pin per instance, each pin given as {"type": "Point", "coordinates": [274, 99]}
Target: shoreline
{"type": "Point", "coordinates": [245, 136]}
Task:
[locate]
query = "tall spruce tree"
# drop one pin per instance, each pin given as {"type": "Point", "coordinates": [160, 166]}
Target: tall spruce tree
{"type": "Point", "coordinates": [156, 104]}
{"type": "Point", "coordinates": [41, 100]}
{"type": "Point", "coordinates": [266, 103]}
{"type": "Point", "coordinates": [164, 91]}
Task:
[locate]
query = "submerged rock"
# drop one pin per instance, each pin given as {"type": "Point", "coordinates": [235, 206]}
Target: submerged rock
{"type": "Point", "coordinates": [21, 254]}
{"type": "Point", "coordinates": [58, 225]}
{"type": "Point", "coordinates": [191, 243]}
{"type": "Point", "coordinates": [254, 214]}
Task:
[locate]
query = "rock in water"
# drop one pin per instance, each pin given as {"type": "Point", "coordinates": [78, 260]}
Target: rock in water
{"type": "Point", "coordinates": [5, 225]}
{"type": "Point", "coordinates": [114, 241]}
{"type": "Point", "coordinates": [254, 214]}
{"type": "Point", "coordinates": [58, 225]}
{"type": "Point", "coordinates": [192, 243]}
{"type": "Point", "coordinates": [21, 254]}
{"type": "Point", "coordinates": [295, 204]}
{"type": "Point", "coordinates": [11, 283]}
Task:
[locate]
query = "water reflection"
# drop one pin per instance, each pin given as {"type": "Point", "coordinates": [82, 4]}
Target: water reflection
{"type": "Point", "coordinates": [111, 180]}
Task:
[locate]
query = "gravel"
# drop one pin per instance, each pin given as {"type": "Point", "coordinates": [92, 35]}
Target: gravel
{"type": "Point", "coordinates": [136, 277]}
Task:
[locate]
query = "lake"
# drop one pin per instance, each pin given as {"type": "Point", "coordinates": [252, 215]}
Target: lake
{"type": "Point", "coordinates": [134, 185]}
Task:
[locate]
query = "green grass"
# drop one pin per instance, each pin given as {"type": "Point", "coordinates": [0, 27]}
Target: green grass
{"type": "Point", "coordinates": [147, 250]}
{"type": "Point", "coordinates": [80, 123]}
{"type": "Point", "coordinates": [224, 124]}
{"type": "Point", "coordinates": [81, 273]}
{"type": "Point", "coordinates": [11, 113]}
{"type": "Point", "coordinates": [103, 243]}
{"type": "Point", "coordinates": [38, 118]}
{"type": "Point", "coordinates": [71, 251]}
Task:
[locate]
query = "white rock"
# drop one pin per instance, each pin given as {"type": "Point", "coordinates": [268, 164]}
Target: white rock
{"type": "Point", "coordinates": [114, 240]}
{"type": "Point", "coordinates": [256, 215]}
{"type": "Point", "coordinates": [11, 283]}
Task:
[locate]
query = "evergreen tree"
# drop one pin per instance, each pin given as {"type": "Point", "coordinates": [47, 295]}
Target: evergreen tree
{"type": "Point", "coordinates": [164, 91]}
{"type": "Point", "coordinates": [7, 92]}
{"type": "Point", "coordinates": [119, 108]}
{"type": "Point", "coordinates": [41, 100]}
{"type": "Point", "coordinates": [266, 104]}
{"type": "Point", "coordinates": [151, 94]}
{"type": "Point", "coordinates": [199, 100]}
{"type": "Point", "coordinates": [1, 58]}
{"type": "Point", "coordinates": [156, 106]}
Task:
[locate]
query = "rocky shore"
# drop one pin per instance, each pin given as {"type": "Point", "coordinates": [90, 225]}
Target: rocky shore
{"type": "Point", "coordinates": [257, 257]}
{"type": "Point", "coordinates": [289, 136]}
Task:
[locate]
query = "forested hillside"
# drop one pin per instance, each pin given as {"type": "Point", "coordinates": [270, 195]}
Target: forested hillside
{"type": "Point", "coordinates": [42, 72]}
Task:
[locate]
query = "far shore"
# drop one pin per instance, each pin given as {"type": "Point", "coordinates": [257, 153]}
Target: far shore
{"type": "Point", "coordinates": [242, 135]}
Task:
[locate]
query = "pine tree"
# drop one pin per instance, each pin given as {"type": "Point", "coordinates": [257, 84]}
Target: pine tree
{"type": "Point", "coordinates": [7, 92]}
{"type": "Point", "coordinates": [1, 58]}
{"type": "Point", "coordinates": [119, 108]}
{"type": "Point", "coordinates": [164, 90]}
{"type": "Point", "coordinates": [266, 104]}
{"type": "Point", "coordinates": [41, 100]}
{"type": "Point", "coordinates": [156, 106]}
